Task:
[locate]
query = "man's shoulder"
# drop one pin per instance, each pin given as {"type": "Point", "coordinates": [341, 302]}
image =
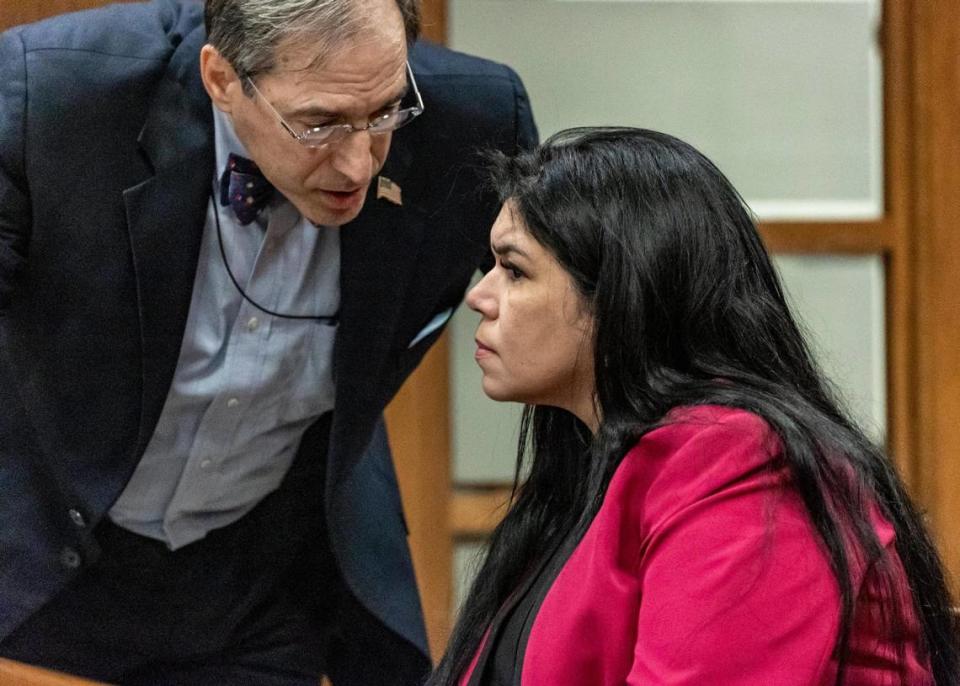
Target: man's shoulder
{"type": "Point", "coordinates": [143, 30]}
{"type": "Point", "coordinates": [430, 60]}
{"type": "Point", "coordinates": [460, 88]}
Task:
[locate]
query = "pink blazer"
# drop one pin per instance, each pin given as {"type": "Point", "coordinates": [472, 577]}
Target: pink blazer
{"type": "Point", "coordinates": [702, 567]}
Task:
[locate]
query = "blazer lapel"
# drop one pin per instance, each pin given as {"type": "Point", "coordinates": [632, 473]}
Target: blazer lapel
{"type": "Point", "coordinates": [166, 215]}
{"type": "Point", "coordinates": [378, 253]}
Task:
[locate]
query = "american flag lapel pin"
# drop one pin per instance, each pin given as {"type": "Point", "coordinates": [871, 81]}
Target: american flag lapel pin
{"type": "Point", "coordinates": [388, 190]}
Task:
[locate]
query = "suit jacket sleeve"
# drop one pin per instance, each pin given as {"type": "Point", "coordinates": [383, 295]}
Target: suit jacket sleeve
{"type": "Point", "coordinates": [527, 136]}
{"type": "Point", "coordinates": [14, 205]}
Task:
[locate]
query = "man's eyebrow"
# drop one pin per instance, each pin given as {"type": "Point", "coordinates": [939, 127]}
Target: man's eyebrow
{"type": "Point", "coordinates": [318, 112]}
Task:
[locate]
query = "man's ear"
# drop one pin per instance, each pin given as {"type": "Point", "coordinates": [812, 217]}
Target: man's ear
{"type": "Point", "coordinates": [219, 78]}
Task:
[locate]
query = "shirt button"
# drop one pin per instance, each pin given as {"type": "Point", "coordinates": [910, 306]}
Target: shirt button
{"type": "Point", "coordinates": [252, 324]}
{"type": "Point", "coordinates": [233, 402]}
{"type": "Point", "coordinates": [70, 558]}
{"type": "Point", "coordinates": [206, 464]}
{"type": "Point", "coordinates": [77, 517]}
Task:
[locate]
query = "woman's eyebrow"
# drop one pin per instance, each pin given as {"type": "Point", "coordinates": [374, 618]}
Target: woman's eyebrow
{"type": "Point", "coordinates": [507, 247]}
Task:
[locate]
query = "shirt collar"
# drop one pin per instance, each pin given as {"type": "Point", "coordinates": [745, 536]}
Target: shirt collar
{"type": "Point", "coordinates": [225, 139]}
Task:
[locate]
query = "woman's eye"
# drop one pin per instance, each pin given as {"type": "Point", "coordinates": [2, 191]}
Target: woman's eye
{"type": "Point", "coordinates": [514, 273]}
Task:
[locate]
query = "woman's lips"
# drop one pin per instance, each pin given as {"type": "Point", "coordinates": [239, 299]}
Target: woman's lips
{"type": "Point", "coordinates": [482, 351]}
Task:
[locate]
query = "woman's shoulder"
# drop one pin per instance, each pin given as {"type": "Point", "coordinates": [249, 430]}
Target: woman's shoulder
{"type": "Point", "coordinates": [699, 452]}
{"type": "Point", "coordinates": [701, 417]}
{"type": "Point", "coordinates": [707, 436]}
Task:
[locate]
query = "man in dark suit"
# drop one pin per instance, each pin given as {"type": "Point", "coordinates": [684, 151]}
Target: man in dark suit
{"type": "Point", "coordinates": [219, 259]}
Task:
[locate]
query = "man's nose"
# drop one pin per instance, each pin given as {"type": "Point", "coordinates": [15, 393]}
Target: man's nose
{"type": "Point", "coordinates": [352, 157]}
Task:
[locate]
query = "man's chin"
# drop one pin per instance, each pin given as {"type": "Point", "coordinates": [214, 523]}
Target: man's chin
{"type": "Point", "coordinates": [334, 221]}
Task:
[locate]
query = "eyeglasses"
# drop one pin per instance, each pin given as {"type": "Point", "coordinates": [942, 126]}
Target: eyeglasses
{"type": "Point", "coordinates": [319, 136]}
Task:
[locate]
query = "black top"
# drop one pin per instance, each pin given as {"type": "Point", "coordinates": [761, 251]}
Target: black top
{"type": "Point", "coordinates": [501, 662]}
{"type": "Point", "coordinates": [506, 663]}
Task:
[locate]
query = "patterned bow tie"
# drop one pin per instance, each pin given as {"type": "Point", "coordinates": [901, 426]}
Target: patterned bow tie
{"type": "Point", "coordinates": [244, 188]}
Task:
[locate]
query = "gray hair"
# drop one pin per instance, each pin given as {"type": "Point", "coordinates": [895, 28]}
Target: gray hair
{"type": "Point", "coordinates": [247, 32]}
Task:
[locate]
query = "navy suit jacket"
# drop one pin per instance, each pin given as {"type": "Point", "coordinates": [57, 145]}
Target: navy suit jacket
{"type": "Point", "coordinates": [106, 161]}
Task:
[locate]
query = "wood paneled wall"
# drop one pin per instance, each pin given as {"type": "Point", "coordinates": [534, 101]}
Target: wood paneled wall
{"type": "Point", "coordinates": [13, 12]}
{"type": "Point", "coordinates": [419, 429]}
{"type": "Point", "coordinates": [14, 673]}
{"type": "Point", "coordinates": [935, 232]}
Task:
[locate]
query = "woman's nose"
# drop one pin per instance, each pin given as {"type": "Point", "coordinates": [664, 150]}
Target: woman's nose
{"type": "Point", "coordinates": [479, 298]}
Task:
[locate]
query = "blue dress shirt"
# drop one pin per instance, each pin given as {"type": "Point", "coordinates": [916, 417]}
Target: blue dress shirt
{"type": "Point", "coordinates": [247, 384]}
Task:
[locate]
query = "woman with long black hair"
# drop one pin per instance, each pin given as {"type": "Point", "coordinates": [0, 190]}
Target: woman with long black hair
{"type": "Point", "coordinates": [692, 505]}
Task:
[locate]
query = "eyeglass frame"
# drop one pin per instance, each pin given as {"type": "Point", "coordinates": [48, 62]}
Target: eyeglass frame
{"type": "Point", "coordinates": [346, 128]}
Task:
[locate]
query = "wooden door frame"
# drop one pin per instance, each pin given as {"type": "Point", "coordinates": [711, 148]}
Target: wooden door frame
{"type": "Point", "coordinates": [933, 230]}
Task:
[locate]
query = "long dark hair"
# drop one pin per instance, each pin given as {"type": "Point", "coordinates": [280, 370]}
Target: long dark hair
{"type": "Point", "coordinates": [687, 310]}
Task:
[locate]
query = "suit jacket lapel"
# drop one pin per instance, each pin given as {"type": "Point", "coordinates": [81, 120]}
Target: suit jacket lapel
{"type": "Point", "coordinates": [378, 252]}
{"type": "Point", "coordinates": [166, 215]}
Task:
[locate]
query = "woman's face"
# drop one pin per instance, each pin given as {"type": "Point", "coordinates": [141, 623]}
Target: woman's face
{"type": "Point", "coordinates": [534, 342]}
